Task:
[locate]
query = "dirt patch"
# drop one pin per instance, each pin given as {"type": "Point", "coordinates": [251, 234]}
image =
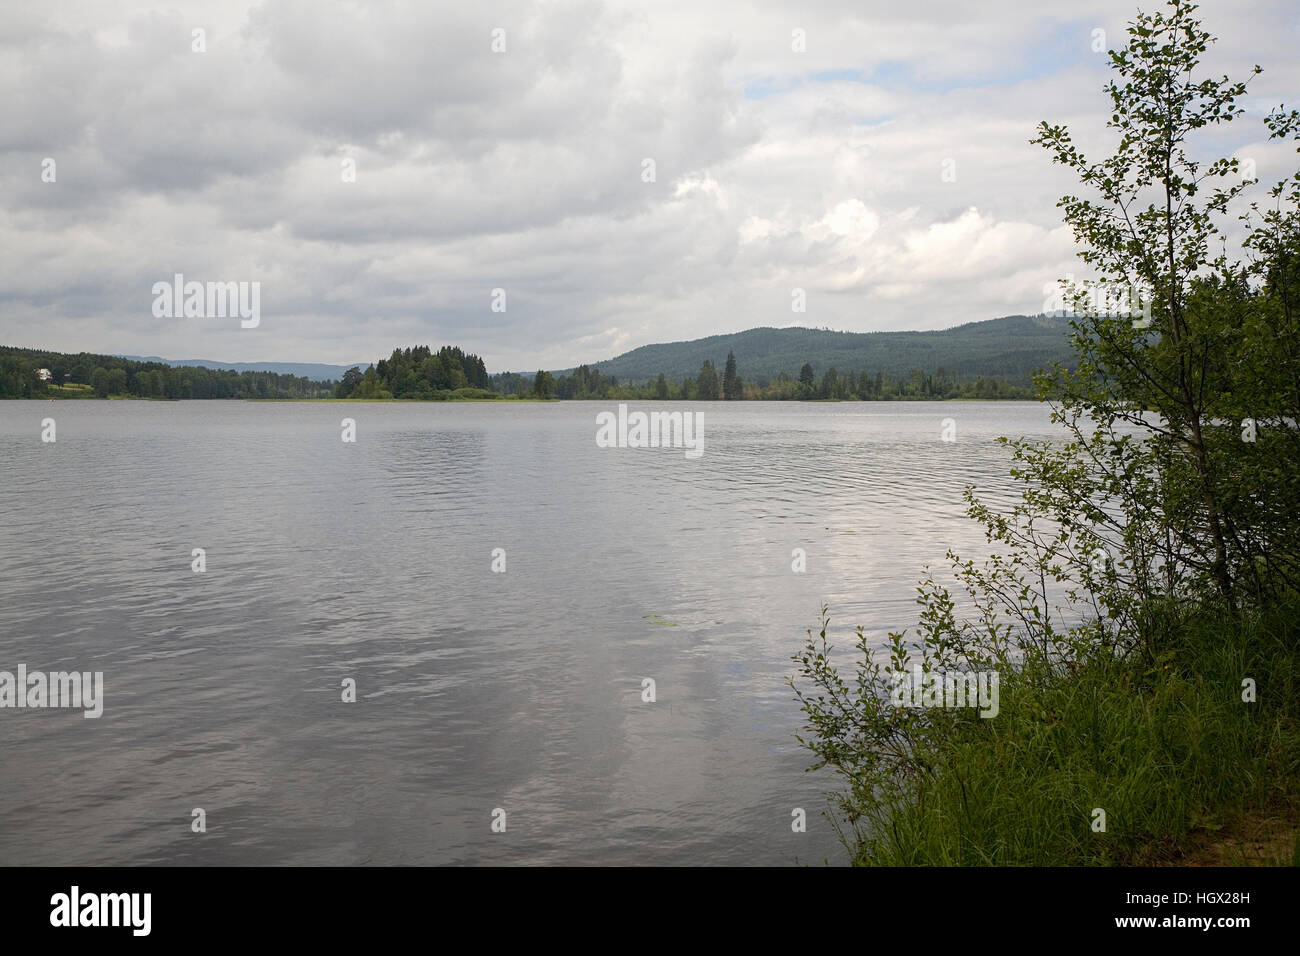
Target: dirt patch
{"type": "Point", "coordinates": [1264, 836]}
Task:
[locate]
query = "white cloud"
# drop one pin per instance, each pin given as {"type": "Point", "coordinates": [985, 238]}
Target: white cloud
{"type": "Point", "coordinates": [522, 170]}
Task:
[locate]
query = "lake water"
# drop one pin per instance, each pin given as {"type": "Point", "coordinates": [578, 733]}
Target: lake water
{"type": "Point", "coordinates": [475, 690]}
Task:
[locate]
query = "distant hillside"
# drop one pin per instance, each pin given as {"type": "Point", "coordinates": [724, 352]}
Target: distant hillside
{"type": "Point", "coordinates": [315, 372]}
{"type": "Point", "coordinates": [1008, 348]}
{"type": "Point", "coordinates": [41, 374]}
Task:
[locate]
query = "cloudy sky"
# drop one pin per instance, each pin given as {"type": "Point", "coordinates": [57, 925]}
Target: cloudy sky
{"type": "Point", "coordinates": [885, 168]}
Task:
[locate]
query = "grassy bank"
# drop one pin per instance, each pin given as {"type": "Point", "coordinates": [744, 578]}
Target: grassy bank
{"type": "Point", "coordinates": [1186, 771]}
{"type": "Point", "coordinates": [64, 392]}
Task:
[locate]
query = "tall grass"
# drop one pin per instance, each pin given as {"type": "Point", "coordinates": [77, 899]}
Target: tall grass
{"type": "Point", "coordinates": [1169, 751]}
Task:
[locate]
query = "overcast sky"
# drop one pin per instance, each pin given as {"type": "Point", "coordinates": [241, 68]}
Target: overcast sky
{"type": "Point", "coordinates": [523, 170]}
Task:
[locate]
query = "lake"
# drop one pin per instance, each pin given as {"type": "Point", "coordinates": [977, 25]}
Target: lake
{"type": "Point", "coordinates": [476, 690]}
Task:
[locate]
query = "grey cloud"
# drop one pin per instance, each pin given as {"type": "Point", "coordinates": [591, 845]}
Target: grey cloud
{"type": "Point", "coordinates": [522, 170]}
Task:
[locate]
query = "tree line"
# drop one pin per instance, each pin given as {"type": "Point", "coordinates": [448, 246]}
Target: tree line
{"type": "Point", "coordinates": [419, 373]}
{"type": "Point", "coordinates": [586, 383]}
{"type": "Point", "coordinates": [34, 373]}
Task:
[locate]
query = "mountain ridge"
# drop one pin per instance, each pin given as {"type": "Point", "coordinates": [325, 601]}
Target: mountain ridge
{"type": "Point", "coordinates": [1008, 347]}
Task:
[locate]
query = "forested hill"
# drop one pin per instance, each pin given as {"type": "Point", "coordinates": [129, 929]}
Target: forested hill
{"type": "Point", "coordinates": [991, 359]}
{"type": "Point", "coordinates": [1008, 348]}
{"type": "Point", "coordinates": [315, 371]}
{"type": "Point", "coordinates": [36, 373]}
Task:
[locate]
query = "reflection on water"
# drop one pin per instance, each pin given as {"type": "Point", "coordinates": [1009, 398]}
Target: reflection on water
{"type": "Point", "coordinates": [476, 690]}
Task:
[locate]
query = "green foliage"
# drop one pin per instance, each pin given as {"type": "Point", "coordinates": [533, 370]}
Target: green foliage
{"type": "Point", "coordinates": [1218, 348]}
{"type": "Point", "coordinates": [709, 389]}
{"type": "Point", "coordinates": [732, 386]}
{"type": "Point", "coordinates": [1170, 753]}
{"type": "Point", "coordinates": [110, 375]}
{"type": "Point", "coordinates": [585, 384]}
{"type": "Point", "coordinates": [1008, 349]}
{"type": "Point", "coordinates": [420, 373]}
{"type": "Point", "coordinates": [1152, 560]}
{"type": "Point", "coordinates": [349, 383]}
{"type": "Point", "coordinates": [982, 360]}
{"type": "Point", "coordinates": [408, 373]}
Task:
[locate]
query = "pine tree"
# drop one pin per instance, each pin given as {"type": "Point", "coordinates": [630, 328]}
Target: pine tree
{"type": "Point", "coordinates": [730, 381]}
{"type": "Point", "coordinates": [708, 382]}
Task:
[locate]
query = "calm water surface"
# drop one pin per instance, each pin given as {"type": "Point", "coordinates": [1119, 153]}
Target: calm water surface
{"type": "Point", "coordinates": [476, 690]}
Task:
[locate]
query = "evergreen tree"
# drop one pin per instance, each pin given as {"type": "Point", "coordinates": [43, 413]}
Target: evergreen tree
{"type": "Point", "coordinates": [730, 381]}
{"type": "Point", "coordinates": [807, 381]}
{"type": "Point", "coordinates": [708, 383]}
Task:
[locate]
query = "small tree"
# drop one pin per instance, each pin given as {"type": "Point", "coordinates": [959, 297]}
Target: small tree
{"type": "Point", "coordinates": [349, 383]}
{"type": "Point", "coordinates": [807, 381]}
{"type": "Point", "coordinates": [830, 384]}
{"type": "Point", "coordinates": [730, 380]}
{"type": "Point", "coordinates": [1172, 375]}
{"type": "Point", "coordinates": [708, 383]}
